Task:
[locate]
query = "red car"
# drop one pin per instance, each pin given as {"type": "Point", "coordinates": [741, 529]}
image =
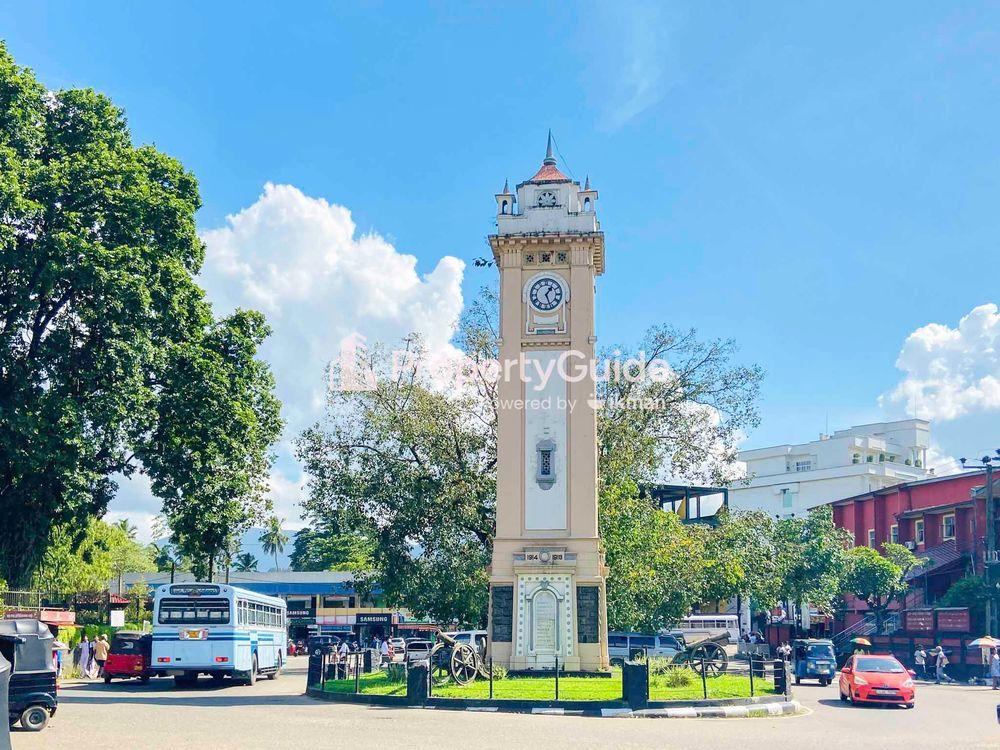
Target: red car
{"type": "Point", "coordinates": [877, 678]}
{"type": "Point", "coordinates": [129, 656]}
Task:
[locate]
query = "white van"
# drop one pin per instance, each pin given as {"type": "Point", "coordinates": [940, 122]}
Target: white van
{"type": "Point", "coordinates": [622, 646]}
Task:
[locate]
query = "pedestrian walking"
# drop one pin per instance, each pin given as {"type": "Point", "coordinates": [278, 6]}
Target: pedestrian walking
{"type": "Point", "coordinates": [995, 669]}
{"type": "Point", "coordinates": [83, 661]}
{"type": "Point", "coordinates": [386, 651]}
{"type": "Point", "coordinates": [920, 661]}
{"type": "Point", "coordinates": [940, 663]}
{"type": "Point", "coordinates": [101, 649]}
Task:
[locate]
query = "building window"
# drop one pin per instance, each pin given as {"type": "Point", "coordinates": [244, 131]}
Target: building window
{"type": "Point", "coordinates": [787, 498]}
{"type": "Point", "coordinates": [894, 533]}
{"type": "Point", "coordinates": [948, 527]}
{"type": "Point", "coordinates": [871, 537]}
{"type": "Point", "coordinates": [918, 531]}
{"type": "Point", "coordinates": [803, 465]}
{"type": "Point", "coordinates": [546, 473]}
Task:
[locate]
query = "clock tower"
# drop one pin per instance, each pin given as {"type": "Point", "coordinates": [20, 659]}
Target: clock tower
{"type": "Point", "coordinates": [547, 578]}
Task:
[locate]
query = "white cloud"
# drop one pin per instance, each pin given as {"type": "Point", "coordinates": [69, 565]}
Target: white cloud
{"type": "Point", "coordinates": [628, 76]}
{"type": "Point", "coordinates": [300, 260]}
{"type": "Point", "coordinates": [951, 372]}
{"type": "Point", "coordinates": [941, 463]}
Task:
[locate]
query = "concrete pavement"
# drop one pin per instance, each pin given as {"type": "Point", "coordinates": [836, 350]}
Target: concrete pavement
{"type": "Point", "coordinates": [275, 715]}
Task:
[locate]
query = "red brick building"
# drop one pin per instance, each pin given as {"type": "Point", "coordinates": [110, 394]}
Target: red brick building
{"type": "Point", "coordinates": [943, 519]}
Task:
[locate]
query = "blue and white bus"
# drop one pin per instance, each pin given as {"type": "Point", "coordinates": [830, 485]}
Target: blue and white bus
{"type": "Point", "coordinates": [219, 630]}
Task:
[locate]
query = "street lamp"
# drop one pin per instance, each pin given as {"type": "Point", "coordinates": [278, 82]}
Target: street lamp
{"type": "Point", "coordinates": [987, 463]}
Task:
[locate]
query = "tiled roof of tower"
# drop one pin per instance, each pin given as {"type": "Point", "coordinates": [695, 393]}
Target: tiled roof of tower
{"type": "Point", "coordinates": [549, 173]}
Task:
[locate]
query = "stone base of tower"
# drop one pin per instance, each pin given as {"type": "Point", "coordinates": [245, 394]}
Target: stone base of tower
{"type": "Point", "coordinates": [548, 605]}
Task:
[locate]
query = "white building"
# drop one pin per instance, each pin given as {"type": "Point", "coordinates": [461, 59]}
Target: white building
{"type": "Point", "coordinates": [786, 480]}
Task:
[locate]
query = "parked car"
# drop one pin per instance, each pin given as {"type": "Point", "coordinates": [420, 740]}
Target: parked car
{"type": "Point", "coordinates": [622, 646]}
{"type": "Point", "coordinates": [129, 656]}
{"type": "Point", "coordinates": [398, 646]}
{"type": "Point", "coordinates": [476, 638]}
{"type": "Point", "coordinates": [878, 678]}
{"type": "Point", "coordinates": [417, 650]}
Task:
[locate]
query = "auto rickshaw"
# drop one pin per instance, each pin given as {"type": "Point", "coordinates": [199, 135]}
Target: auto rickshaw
{"type": "Point", "coordinates": [129, 656]}
{"type": "Point", "coordinates": [27, 644]}
{"type": "Point", "coordinates": [814, 658]}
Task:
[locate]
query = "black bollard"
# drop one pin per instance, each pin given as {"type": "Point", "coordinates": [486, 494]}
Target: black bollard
{"type": "Point", "coordinates": [635, 684]}
{"type": "Point", "coordinates": [780, 677]}
{"type": "Point", "coordinates": [4, 680]}
{"type": "Point", "coordinates": [417, 683]}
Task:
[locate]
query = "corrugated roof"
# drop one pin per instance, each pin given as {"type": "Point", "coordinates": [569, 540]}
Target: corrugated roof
{"type": "Point", "coordinates": [940, 556]}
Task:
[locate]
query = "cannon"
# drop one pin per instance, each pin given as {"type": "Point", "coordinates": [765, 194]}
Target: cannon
{"type": "Point", "coordinates": [453, 660]}
{"type": "Point", "coordinates": [708, 653]}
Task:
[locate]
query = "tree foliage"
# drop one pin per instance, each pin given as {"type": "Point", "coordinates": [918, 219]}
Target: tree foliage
{"type": "Point", "coordinates": [742, 559]}
{"type": "Point", "coordinates": [104, 333]}
{"type": "Point", "coordinates": [327, 548]}
{"type": "Point", "coordinates": [656, 564]}
{"type": "Point", "coordinates": [105, 552]}
{"type": "Point", "coordinates": [812, 558]}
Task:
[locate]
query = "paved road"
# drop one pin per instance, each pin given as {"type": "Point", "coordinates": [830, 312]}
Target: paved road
{"type": "Point", "coordinates": [274, 715]}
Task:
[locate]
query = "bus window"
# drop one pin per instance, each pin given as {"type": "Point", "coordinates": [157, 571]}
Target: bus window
{"type": "Point", "coordinates": [187, 612]}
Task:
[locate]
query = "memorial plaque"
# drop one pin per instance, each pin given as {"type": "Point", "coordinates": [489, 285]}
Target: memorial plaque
{"type": "Point", "coordinates": [543, 618]}
{"type": "Point", "coordinates": [503, 614]}
{"type": "Point", "coordinates": [588, 600]}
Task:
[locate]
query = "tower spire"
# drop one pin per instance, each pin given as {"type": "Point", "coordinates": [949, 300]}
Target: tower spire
{"type": "Point", "coordinates": [586, 185]}
{"type": "Point", "coordinates": [549, 158]}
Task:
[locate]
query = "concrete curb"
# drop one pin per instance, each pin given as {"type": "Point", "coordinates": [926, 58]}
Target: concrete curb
{"type": "Point", "coordinates": [744, 711]}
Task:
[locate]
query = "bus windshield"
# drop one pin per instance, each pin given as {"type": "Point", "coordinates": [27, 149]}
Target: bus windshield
{"type": "Point", "coordinates": [194, 611]}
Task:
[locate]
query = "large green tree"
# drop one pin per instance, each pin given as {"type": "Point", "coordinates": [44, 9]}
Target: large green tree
{"type": "Point", "coordinates": [874, 579]}
{"type": "Point", "coordinates": [657, 564]}
{"type": "Point", "coordinates": [812, 559]}
{"type": "Point", "coordinates": [104, 553]}
{"type": "Point", "coordinates": [104, 333]}
{"type": "Point", "coordinates": [742, 559]}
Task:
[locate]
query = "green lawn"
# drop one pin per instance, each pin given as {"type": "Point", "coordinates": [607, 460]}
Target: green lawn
{"type": "Point", "coordinates": [375, 683]}
{"type": "Point", "coordinates": [539, 689]}
{"type": "Point", "coordinates": [724, 686]}
{"type": "Point", "coordinates": [570, 688]}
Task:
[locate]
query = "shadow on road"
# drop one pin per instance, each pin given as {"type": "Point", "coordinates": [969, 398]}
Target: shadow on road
{"type": "Point", "coordinates": [837, 703]}
{"type": "Point", "coordinates": [206, 698]}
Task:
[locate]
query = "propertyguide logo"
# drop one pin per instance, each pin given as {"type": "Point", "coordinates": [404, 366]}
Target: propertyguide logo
{"type": "Point", "coordinates": [358, 368]}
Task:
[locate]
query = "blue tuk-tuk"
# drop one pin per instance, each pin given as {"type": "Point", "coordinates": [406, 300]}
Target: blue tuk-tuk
{"type": "Point", "coordinates": [814, 659]}
{"type": "Point", "coordinates": [31, 697]}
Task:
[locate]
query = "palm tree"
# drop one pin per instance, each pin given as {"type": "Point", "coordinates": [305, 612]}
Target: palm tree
{"type": "Point", "coordinates": [274, 539]}
{"type": "Point", "coordinates": [245, 563]}
{"type": "Point", "coordinates": [128, 528]}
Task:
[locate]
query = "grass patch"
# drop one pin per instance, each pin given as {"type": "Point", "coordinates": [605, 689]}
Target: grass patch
{"type": "Point", "coordinates": [724, 686]}
{"type": "Point", "coordinates": [539, 689]}
{"type": "Point", "coordinates": [376, 683]}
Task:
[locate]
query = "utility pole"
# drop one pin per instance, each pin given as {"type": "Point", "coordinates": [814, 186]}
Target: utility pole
{"type": "Point", "coordinates": [991, 561]}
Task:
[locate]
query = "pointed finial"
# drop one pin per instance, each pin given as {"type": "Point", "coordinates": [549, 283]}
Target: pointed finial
{"type": "Point", "coordinates": [586, 184]}
{"type": "Point", "coordinates": [549, 158]}
{"type": "Point", "coordinates": [506, 190]}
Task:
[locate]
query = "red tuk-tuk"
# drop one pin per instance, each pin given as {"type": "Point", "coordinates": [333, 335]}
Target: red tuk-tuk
{"type": "Point", "coordinates": [129, 656]}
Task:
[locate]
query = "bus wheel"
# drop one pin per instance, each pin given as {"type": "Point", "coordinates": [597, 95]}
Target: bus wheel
{"type": "Point", "coordinates": [252, 678]}
{"type": "Point", "coordinates": [185, 680]}
{"type": "Point", "coordinates": [34, 718]}
{"type": "Point", "coordinates": [274, 675]}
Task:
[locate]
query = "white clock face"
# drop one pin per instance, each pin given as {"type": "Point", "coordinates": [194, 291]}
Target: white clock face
{"type": "Point", "coordinates": [545, 294]}
{"type": "Point", "coordinates": [547, 199]}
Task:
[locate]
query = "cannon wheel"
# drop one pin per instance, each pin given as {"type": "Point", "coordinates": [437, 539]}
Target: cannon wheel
{"type": "Point", "coordinates": [712, 655]}
{"type": "Point", "coordinates": [464, 664]}
{"type": "Point", "coordinates": [440, 664]}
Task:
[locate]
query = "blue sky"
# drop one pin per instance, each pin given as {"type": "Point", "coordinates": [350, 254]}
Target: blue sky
{"type": "Point", "coordinates": [817, 182]}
